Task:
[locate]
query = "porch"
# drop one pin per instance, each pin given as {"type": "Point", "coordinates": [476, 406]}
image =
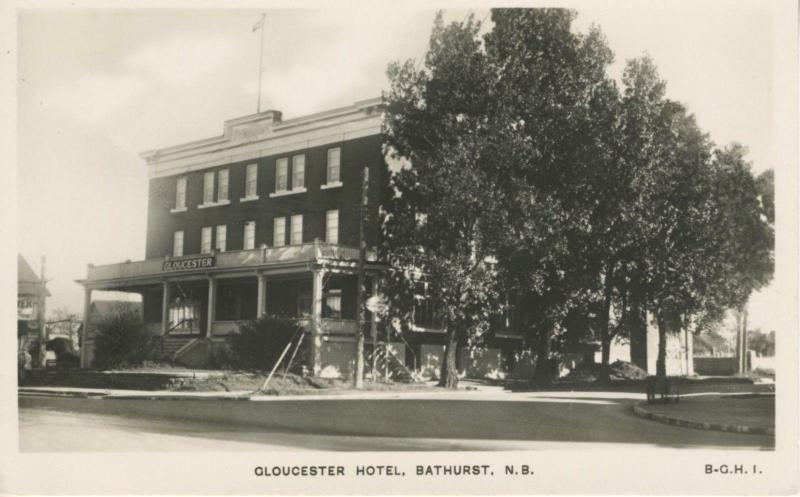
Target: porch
{"type": "Point", "coordinates": [193, 303]}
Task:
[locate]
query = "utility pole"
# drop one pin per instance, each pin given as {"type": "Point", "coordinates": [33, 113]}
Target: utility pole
{"type": "Point", "coordinates": [42, 319]}
{"type": "Point", "coordinates": [362, 253]}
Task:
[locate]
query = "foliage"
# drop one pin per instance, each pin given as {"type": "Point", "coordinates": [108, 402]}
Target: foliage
{"type": "Point", "coordinates": [762, 343]}
{"type": "Point", "coordinates": [122, 340]}
{"type": "Point", "coordinates": [257, 345]}
{"type": "Point", "coordinates": [527, 173]}
{"type": "Point", "coordinates": [556, 114]}
{"type": "Point", "coordinates": [436, 120]}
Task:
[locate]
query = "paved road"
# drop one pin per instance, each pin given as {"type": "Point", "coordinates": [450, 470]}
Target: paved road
{"type": "Point", "coordinates": [475, 421]}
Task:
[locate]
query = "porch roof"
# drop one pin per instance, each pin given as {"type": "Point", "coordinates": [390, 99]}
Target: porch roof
{"type": "Point", "coordinates": [296, 258]}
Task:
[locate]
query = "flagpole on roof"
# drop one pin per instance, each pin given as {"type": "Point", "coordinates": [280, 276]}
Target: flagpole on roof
{"type": "Point", "coordinates": [260, 25]}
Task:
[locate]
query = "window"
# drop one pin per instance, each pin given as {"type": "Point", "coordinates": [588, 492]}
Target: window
{"type": "Point", "coordinates": [279, 233]}
{"type": "Point", "coordinates": [177, 244]}
{"type": "Point", "coordinates": [333, 304]}
{"type": "Point", "coordinates": [180, 193]}
{"type": "Point", "coordinates": [332, 226]}
{"type": "Point", "coordinates": [251, 181]}
{"type": "Point", "coordinates": [222, 186]}
{"type": "Point", "coordinates": [222, 236]}
{"type": "Point", "coordinates": [297, 229]}
{"type": "Point", "coordinates": [208, 188]}
{"type": "Point", "coordinates": [334, 155]}
{"type": "Point", "coordinates": [249, 235]}
{"type": "Point", "coordinates": [426, 312]}
{"type": "Point", "coordinates": [298, 172]}
{"type": "Point", "coordinates": [281, 174]}
{"type": "Point", "coordinates": [205, 240]}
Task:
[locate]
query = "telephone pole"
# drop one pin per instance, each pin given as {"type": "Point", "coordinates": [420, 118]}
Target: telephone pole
{"type": "Point", "coordinates": [42, 317]}
{"type": "Point", "coordinates": [358, 380]}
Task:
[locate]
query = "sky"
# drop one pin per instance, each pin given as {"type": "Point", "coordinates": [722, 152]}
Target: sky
{"type": "Point", "coordinates": [97, 87]}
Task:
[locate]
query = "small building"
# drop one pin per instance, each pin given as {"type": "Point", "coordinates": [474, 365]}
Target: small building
{"type": "Point", "coordinates": [31, 305]}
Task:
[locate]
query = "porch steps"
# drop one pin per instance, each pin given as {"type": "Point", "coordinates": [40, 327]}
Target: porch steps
{"type": "Point", "coordinates": [397, 370]}
{"type": "Point", "coordinates": [172, 344]}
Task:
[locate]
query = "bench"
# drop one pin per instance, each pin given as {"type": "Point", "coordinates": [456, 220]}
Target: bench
{"type": "Point", "coordinates": [665, 387]}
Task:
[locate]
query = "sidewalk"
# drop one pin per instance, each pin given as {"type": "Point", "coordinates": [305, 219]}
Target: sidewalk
{"type": "Point", "coordinates": [740, 413]}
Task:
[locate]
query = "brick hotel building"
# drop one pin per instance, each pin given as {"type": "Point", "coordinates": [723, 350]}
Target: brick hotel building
{"type": "Point", "coordinates": [264, 220]}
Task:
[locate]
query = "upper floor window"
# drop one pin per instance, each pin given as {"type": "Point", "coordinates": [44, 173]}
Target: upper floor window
{"type": "Point", "coordinates": [222, 185]}
{"type": "Point", "coordinates": [281, 175]}
{"type": "Point", "coordinates": [251, 180]}
{"type": "Point", "coordinates": [334, 156]}
{"type": "Point", "coordinates": [297, 229]}
{"type": "Point", "coordinates": [177, 244]}
{"type": "Point", "coordinates": [298, 172]}
{"type": "Point", "coordinates": [208, 188]}
{"type": "Point", "coordinates": [332, 226]}
{"type": "Point", "coordinates": [279, 232]}
{"type": "Point", "coordinates": [249, 235]}
{"type": "Point", "coordinates": [222, 237]}
{"type": "Point", "coordinates": [205, 240]}
{"type": "Point", "coordinates": [180, 193]}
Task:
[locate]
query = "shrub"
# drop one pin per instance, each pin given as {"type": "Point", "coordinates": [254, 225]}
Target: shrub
{"type": "Point", "coordinates": [258, 344]}
{"type": "Point", "coordinates": [122, 340]}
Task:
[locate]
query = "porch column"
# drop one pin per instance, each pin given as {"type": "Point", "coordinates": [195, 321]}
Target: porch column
{"type": "Point", "coordinates": [316, 322]}
{"type": "Point", "coordinates": [87, 307]}
{"type": "Point", "coordinates": [261, 308]}
{"type": "Point", "coordinates": [212, 305]}
{"type": "Point", "coordinates": [373, 330]}
{"type": "Point", "coordinates": [166, 298]}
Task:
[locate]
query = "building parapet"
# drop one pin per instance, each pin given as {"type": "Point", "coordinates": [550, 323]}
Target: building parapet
{"type": "Point", "coordinates": [259, 135]}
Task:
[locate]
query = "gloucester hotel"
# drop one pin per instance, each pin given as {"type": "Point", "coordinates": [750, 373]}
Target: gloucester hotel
{"type": "Point", "coordinates": [263, 219]}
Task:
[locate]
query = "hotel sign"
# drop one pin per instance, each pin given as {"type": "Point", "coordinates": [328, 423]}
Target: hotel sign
{"type": "Point", "coordinates": [187, 263]}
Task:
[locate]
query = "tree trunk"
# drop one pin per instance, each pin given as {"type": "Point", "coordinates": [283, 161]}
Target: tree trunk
{"type": "Point", "coordinates": [661, 360]}
{"type": "Point", "coordinates": [542, 373]}
{"type": "Point", "coordinates": [605, 320]}
{"type": "Point", "coordinates": [637, 328]}
{"type": "Point", "coordinates": [449, 371]}
{"type": "Point", "coordinates": [605, 369]}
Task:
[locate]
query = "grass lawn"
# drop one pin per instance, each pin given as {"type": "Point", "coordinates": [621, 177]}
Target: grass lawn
{"type": "Point", "coordinates": [749, 410]}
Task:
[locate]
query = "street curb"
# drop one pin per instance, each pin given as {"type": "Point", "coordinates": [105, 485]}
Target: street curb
{"type": "Point", "coordinates": [661, 418]}
{"type": "Point", "coordinates": [105, 394]}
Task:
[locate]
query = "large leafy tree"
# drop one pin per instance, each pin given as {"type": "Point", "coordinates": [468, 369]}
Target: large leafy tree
{"type": "Point", "coordinates": [555, 119]}
{"type": "Point", "coordinates": [436, 121]}
{"type": "Point", "coordinates": [703, 243]}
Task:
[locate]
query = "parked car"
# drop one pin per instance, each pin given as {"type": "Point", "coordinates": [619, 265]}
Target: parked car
{"type": "Point", "coordinates": [61, 354]}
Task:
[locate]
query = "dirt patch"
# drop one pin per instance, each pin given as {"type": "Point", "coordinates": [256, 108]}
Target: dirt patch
{"type": "Point", "coordinates": [289, 384]}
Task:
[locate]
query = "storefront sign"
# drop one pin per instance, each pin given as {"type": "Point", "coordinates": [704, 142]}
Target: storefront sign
{"type": "Point", "coordinates": [197, 262]}
{"type": "Point", "coordinates": [27, 308]}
